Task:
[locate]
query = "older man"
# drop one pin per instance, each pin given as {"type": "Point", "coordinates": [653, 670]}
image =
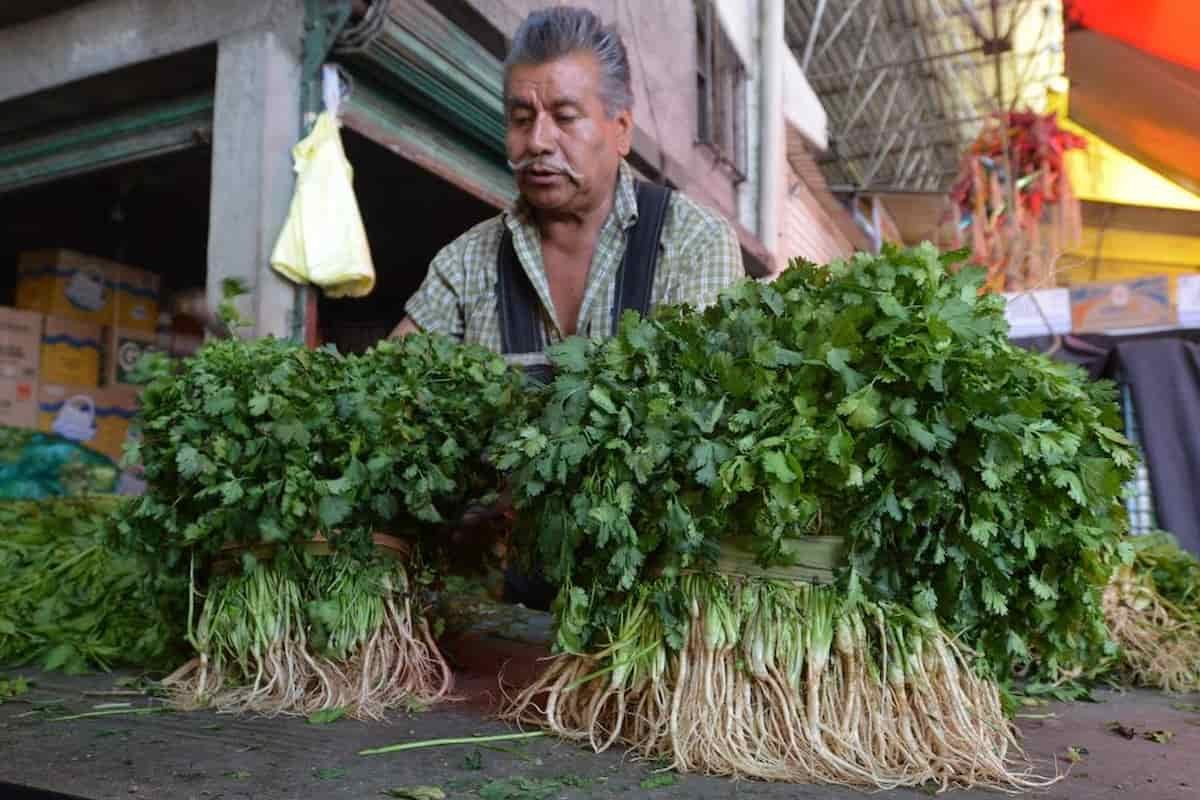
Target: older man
{"type": "Point", "coordinates": [585, 240]}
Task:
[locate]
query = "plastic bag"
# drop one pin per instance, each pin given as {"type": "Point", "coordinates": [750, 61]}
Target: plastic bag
{"type": "Point", "coordinates": [323, 241]}
{"type": "Point", "coordinates": [36, 465]}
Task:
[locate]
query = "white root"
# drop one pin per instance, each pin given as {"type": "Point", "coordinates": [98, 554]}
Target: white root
{"type": "Point", "coordinates": [274, 669]}
{"type": "Point", "coordinates": [867, 715]}
{"type": "Point", "coordinates": [1160, 644]}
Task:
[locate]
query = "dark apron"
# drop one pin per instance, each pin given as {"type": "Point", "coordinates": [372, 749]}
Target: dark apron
{"type": "Point", "coordinates": [523, 339]}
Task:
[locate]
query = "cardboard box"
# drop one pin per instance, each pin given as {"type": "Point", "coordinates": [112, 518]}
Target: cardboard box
{"type": "Point", "coordinates": [1122, 305]}
{"type": "Point", "coordinates": [71, 352]}
{"type": "Point", "coordinates": [116, 408]}
{"type": "Point", "coordinates": [18, 403]}
{"type": "Point", "coordinates": [67, 284]}
{"type": "Point", "coordinates": [20, 344]}
{"type": "Point", "coordinates": [101, 419]}
{"type": "Point", "coordinates": [122, 350]}
{"type": "Point", "coordinates": [1187, 289]}
{"type": "Point", "coordinates": [136, 299]}
{"type": "Point", "coordinates": [1043, 312]}
{"type": "Point", "coordinates": [29, 286]}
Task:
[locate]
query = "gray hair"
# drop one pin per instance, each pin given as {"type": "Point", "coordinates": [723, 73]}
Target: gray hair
{"type": "Point", "coordinates": [552, 33]}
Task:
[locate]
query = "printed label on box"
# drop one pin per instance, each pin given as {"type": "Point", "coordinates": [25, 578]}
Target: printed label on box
{"type": "Point", "coordinates": [1121, 305]}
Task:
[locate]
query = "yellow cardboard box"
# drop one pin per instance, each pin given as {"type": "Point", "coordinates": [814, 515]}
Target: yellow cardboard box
{"type": "Point", "coordinates": [136, 299]}
{"type": "Point", "coordinates": [97, 418]}
{"type": "Point", "coordinates": [116, 408]}
{"type": "Point", "coordinates": [67, 284]}
{"type": "Point", "coordinates": [71, 352]}
{"type": "Point", "coordinates": [123, 348]}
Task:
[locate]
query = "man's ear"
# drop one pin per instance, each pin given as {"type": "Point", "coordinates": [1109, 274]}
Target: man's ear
{"type": "Point", "coordinates": [624, 122]}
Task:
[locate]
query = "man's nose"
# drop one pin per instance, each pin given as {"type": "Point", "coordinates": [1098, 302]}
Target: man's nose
{"type": "Point", "coordinates": [541, 138]}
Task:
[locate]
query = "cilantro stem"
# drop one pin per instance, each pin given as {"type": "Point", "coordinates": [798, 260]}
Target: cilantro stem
{"type": "Point", "coordinates": [396, 748]}
{"type": "Point", "coordinates": [112, 712]}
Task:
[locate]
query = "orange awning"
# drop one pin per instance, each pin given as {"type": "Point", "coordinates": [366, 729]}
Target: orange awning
{"type": "Point", "coordinates": [1146, 106]}
{"type": "Point", "coordinates": [1167, 29]}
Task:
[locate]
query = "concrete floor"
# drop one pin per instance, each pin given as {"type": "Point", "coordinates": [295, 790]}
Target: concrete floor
{"type": "Point", "coordinates": [204, 756]}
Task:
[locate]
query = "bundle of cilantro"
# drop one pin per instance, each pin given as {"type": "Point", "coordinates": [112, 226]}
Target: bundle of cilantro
{"type": "Point", "coordinates": [70, 600]}
{"type": "Point", "coordinates": [974, 487]}
{"type": "Point", "coordinates": [1153, 612]}
{"type": "Point", "coordinates": [253, 449]}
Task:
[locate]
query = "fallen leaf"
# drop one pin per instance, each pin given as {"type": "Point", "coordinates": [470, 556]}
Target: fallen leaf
{"type": "Point", "coordinates": [329, 773]}
{"type": "Point", "coordinates": [473, 760]}
{"type": "Point", "coordinates": [238, 775]}
{"type": "Point", "coordinates": [417, 793]}
{"type": "Point", "coordinates": [659, 781]}
{"type": "Point", "coordinates": [326, 715]}
{"type": "Point", "coordinates": [519, 788]}
{"type": "Point", "coordinates": [1162, 737]}
{"type": "Point", "coordinates": [1121, 729]}
{"type": "Point", "coordinates": [1076, 754]}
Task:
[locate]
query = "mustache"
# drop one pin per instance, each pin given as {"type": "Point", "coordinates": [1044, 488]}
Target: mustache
{"type": "Point", "coordinates": [551, 164]}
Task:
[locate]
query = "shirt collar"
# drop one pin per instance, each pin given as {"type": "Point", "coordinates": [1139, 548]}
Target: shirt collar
{"type": "Point", "coordinates": [624, 202]}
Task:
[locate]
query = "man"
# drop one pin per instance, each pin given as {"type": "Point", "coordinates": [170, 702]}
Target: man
{"type": "Point", "coordinates": [585, 240]}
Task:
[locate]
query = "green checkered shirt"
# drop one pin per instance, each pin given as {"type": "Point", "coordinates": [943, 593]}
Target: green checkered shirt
{"type": "Point", "coordinates": [700, 256]}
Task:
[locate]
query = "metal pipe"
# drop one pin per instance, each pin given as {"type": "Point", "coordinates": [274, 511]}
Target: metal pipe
{"type": "Point", "coordinates": [862, 50]}
{"type": "Point", "coordinates": [862, 104]}
{"type": "Point", "coordinates": [976, 23]}
{"type": "Point", "coordinates": [928, 125]}
{"type": "Point", "coordinates": [907, 62]}
{"type": "Point", "coordinates": [771, 171]}
{"type": "Point", "coordinates": [837, 29]}
{"type": "Point", "coordinates": [812, 35]}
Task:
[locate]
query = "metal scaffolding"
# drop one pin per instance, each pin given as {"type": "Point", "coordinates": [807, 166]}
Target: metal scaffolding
{"type": "Point", "coordinates": [907, 83]}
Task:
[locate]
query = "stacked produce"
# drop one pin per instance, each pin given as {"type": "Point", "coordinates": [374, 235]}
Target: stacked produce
{"type": "Point", "coordinates": [1014, 201]}
{"type": "Point", "coordinates": [1153, 611]}
{"type": "Point", "coordinates": [803, 534]}
{"type": "Point", "coordinates": [310, 488]}
{"type": "Point", "coordinates": [70, 601]}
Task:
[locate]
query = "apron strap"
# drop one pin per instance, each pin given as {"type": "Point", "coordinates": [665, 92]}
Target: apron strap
{"type": "Point", "coordinates": [522, 334]}
{"type": "Point", "coordinates": [635, 279]}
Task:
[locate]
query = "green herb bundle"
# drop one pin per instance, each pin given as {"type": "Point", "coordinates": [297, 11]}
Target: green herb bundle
{"type": "Point", "coordinates": [253, 451]}
{"type": "Point", "coordinates": [70, 600]}
{"type": "Point", "coordinates": [1152, 608]}
{"type": "Point", "coordinates": [877, 401]}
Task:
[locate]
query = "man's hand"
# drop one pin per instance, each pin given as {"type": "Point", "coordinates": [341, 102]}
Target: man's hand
{"type": "Point", "coordinates": [478, 515]}
{"type": "Point", "coordinates": [405, 327]}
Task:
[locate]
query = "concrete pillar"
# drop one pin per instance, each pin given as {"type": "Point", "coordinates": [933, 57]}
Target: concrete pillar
{"type": "Point", "coordinates": [256, 121]}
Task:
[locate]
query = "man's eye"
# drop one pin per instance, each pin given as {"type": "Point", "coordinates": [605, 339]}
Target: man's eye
{"type": "Point", "coordinates": [520, 119]}
{"type": "Point", "coordinates": [565, 119]}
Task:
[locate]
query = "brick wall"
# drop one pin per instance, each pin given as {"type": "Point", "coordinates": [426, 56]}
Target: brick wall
{"type": "Point", "coordinates": [806, 229]}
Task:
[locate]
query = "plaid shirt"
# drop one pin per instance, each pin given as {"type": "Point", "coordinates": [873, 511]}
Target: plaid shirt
{"type": "Point", "coordinates": [700, 256]}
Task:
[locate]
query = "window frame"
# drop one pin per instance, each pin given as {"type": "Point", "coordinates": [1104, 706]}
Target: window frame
{"type": "Point", "coordinates": [721, 85]}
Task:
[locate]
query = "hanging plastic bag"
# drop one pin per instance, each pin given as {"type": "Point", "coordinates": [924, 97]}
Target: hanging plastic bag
{"type": "Point", "coordinates": [323, 241]}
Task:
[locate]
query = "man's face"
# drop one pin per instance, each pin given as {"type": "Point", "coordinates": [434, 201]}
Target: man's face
{"type": "Point", "coordinates": [556, 118]}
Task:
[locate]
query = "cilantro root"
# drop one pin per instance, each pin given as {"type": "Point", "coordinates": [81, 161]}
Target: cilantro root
{"type": "Point", "coordinates": [1160, 642]}
{"type": "Point", "coordinates": [256, 653]}
{"type": "Point", "coordinates": [784, 681]}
